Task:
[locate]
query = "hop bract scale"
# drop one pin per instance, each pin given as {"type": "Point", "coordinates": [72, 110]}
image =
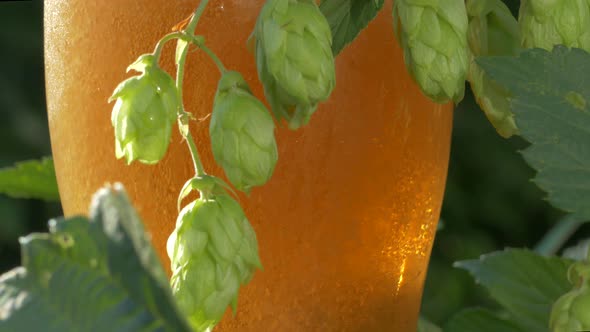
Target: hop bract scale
{"type": "Point", "coordinates": [145, 110]}
{"type": "Point", "coordinates": [570, 312]}
{"type": "Point", "coordinates": [242, 134]}
{"type": "Point", "coordinates": [546, 23]}
{"type": "Point", "coordinates": [433, 35]}
{"type": "Point", "coordinates": [493, 31]}
{"type": "Point", "coordinates": [213, 251]}
{"type": "Point", "coordinates": [293, 48]}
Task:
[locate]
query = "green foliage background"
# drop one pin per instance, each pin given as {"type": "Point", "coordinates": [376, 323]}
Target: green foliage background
{"type": "Point", "coordinates": [490, 202]}
{"type": "Point", "coordinates": [23, 122]}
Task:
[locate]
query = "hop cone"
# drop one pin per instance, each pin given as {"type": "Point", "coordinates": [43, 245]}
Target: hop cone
{"type": "Point", "coordinates": [433, 35]}
{"type": "Point", "coordinates": [546, 23]}
{"type": "Point", "coordinates": [242, 134]}
{"type": "Point", "coordinates": [213, 251]}
{"type": "Point", "coordinates": [144, 113]}
{"type": "Point", "coordinates": [570, 312]}
{"type": "Point", "coordinates": [294, 58]}
{"type": "Point", "coordinates": [493, 31]}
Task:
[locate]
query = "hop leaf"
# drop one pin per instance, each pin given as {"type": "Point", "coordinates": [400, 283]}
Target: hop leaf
{"type": "Point", "coordinates": [294, 58]}
{"type": "Point", "coordinates": [213, 251]}
{"type": "Point", "coordinates": [570, 312]}
{"type": "Point", "coordinates": [545, 23]}
{"type": "Point", "coordinates": [493, 31]}
{"type": "Point", "coordinates": [242, 134]}
{"type": "Point", "coordinates": [433, 35]}
{"type": "Point", "coordinates": [144, 112]}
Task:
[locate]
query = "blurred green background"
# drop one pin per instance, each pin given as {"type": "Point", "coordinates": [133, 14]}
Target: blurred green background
{"type": "Point", "coordinates": [23, 122]}
{"type": "Point", "coordinates": [490, 202]}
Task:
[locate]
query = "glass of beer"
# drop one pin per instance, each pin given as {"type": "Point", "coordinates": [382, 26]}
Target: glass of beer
{"type": "Point", "coordinates": [346, 224]}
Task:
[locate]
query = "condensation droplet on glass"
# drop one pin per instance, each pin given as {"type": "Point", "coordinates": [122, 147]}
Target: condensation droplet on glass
{"type": "Point", "coordinates": [400, 280]}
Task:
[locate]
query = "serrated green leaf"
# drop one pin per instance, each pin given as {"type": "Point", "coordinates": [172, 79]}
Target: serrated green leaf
{"type": "Point", "coordinates": [480, 320]}
{"type": "Point", "coordinates": [132, 259]}
{"type": "Point", "coordinates": [30, 179]}
{"type": "Point", "coordinates": [64, 232]}
{"type": "Point", "coordinates": [551, 101]}
{"type": "Point", "coordinates": [523, 282]}
{"type": "Point", "coordinates": [347, 18]}
{"type": "Point", "coordinates": [89, 276]}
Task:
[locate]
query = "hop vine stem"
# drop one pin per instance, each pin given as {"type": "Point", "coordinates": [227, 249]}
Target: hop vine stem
{"type": "Point", "coordinates": [213, 57]}
{"type": "Point", "coordinates": [190, 29]}
{"type": "Point", "coordinates": [197, 40]}
{"type": "Point", "coordinates": [558, 235]}
{"type": "Point", "coordinates": [188, 35]}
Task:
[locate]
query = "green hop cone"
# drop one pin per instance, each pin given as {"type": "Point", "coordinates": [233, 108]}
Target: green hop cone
{"type": "Point", "coordinates": [493, 31]}
{"type": "Point", "coordinates": [213, 251]}
{"type": "Point", "coordinates": [242, 134]}
{"type": "Point", "coordinates": [293, 47]}
{"type": "Point", "coordinates": [144, 112]}
{"type": "Point", "coordinates": [570, 312]}
{"type": "Point", "coordinates": [546, 23]}
{"type": "Point", "coordinates": [433, 35]}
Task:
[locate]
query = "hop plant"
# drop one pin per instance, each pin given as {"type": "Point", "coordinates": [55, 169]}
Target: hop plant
{"type": "Point", "coordinates": [493, 31]}
{"type": "Point", "coordinates": [294, 58]}
{"type": "Point", "coordinates": [242, 134]}
{"type": "Point", "coordinates": [570, 312]}
{"type": "Point", "coordinates": [546, 23]}
{"type": "Point", "coordinates": [213, 251]}
{"type": "Point", "coordinates": [433, 35]}
{"type": "Point", "coordinates": [144, 112]}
